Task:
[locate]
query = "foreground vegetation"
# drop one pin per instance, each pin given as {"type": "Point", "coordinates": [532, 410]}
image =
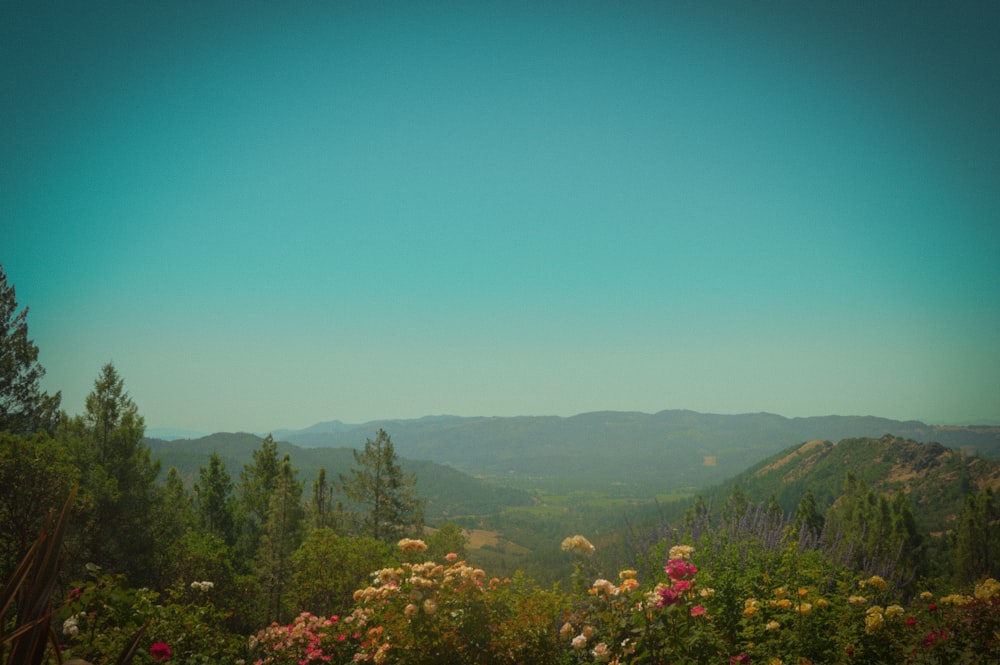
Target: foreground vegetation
{"type": "Point", "coordinates": [783, 604]}
{"type": "Point", "coordinates": [253, 568]}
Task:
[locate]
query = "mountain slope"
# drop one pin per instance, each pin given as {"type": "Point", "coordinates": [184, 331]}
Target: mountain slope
{"type": "Point", "coordinates": [449, 493]}
{"type": "Point", "coordinates": [936, 478]}
{"type": "Point", "coordinates": [670, 449]}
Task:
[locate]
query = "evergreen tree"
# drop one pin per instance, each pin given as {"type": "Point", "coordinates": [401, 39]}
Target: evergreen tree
{"type": "Point", "coordinates": [174, 519]}
{"type": "Point", "coordinates": [378, 482]}
{"type": "Point", "coordinates": [24, 407]}
{"type": "Point", "coordinates": [808, 517]}
{"type": "Point", "coordinates": [320, 511]}
{"type": "Point", "coordinates": [254, 490]}
{"type": "Point", "coordinates": [215, 502]}
{"type": "Point", "coordinates": [282, 535]}
{"type": "Point", "coordinates": [736, 505]}
{"type": "Point", "coordinates": [118, 477]}
{"type": "Point", "coordinates": [976, 538]}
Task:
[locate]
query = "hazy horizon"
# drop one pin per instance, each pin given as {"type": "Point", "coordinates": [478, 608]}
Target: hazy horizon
{"type": "Point", "coordinates": [274, 217]}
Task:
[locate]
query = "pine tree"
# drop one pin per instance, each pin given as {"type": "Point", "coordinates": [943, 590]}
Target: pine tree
{"type": "Point", "coordinates": [118, 479]}
{"type": "Point", "coordinates": [378, 483]}
{"type": "Point", "coordinates": [24, 407]}
{"type": "Point", "coordinates": [320, 510]}
{"type": "Point", "coordinates": [808, 517]}
{"type": "Point", "coordinates": [976, 538]}
{"type": "Point", "coordinates": [282, 534]}
{"type": "Point", "coordinates": [215, 500]}
{"type": "Point", "coordinates": [257, 482]}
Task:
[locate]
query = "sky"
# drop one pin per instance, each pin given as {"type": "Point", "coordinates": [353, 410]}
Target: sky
{"type": "Point", "coordinates": [268, 215]}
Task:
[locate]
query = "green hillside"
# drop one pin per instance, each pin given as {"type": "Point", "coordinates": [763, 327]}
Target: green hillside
{"type": "Point", "coordinates": [936, 478]}
{"type": "Point", "coordinates": [449, 493]}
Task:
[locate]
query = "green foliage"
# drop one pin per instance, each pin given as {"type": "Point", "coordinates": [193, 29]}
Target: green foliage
{"type": "Point", "coordinates": [118, 480]}
{"type": "Point", "coordinates": [36, 474]}
{"type": "Point", "coordinates": [446, 539]}
{"type": "Point", "coordinates": [327, 568]}
{"type": "Point", "coordinates": [103, 616]}
{"type": "Point", "coordinates": [215, 502]}
{"type": "Point", "coordinates": [24, 407]}
{"type": "Point", "coordinates": [378, 482]}
{"type": "Point", "coordinates": [281, 535]}
{"type": "Point", "coordinates": [976, 537]}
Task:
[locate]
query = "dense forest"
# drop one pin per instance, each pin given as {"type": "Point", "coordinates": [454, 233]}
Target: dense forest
{"type": "Point", "coordinates": [272, 542]}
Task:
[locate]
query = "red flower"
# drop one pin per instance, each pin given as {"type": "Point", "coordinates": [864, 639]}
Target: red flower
{"type": "Point", "coordinates": [668, 597]}
{"type": "Point", "coordinates": [679, 569]}
{"type": "Point", "coordinates": [160, 651]}
{"type": "Point", "coordinates": [932, 607]}
{"type": "Point", "coordinates": [910, 621]}
{"type": "Point", "coordinates": [849, 651]}
{"type": "Point", "coordinates": [741, 659]}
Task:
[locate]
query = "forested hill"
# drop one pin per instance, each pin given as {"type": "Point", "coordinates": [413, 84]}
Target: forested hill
{"type": "Point", "coordinates": [449, 493]}
{"type": "Point", "coordinates": [936, 479]}
{"type": "Point", "coordinates": [670, 449]}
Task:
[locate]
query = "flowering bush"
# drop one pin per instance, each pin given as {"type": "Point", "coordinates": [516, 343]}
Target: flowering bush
{"type": "Point", "coordinates": [308, 639]}
{"type": "Point", "coordinates": [451, 612]}
{"type": "Point", "coordinates": [182, 626]}
{"type": "Point", "coordinates": [622, 622]}
{"type": "Point", "coordinates": [423, 613]}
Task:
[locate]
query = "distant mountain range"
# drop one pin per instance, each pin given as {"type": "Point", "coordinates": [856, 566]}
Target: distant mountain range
{"type": "Point", "coordinates": [533, 479]}
{"type": "Point", "coordinates": [676, 448]}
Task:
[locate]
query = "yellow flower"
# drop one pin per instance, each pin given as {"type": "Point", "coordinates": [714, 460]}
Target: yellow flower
{"type": "Point", "coordinates": [412, 545]}
{"type": "Point", "coordinates": [894, 611]}
{"type": "Point", "coordinates": [629, 584]}
{"type": "Point", "coordinates": [957, 599]}
{"type": "Point", "coordinates": [926, 595]}
{"type": "Point", "coordinates": [749, 611]}
{"type": "Point", "coordinates": [780, 592]}
{"type": "Point", "coordinates": [821, 603]}
{"type": "Point", "coordinates": [680, 552]}
{"type": "Point", "coordinates": [627, 574]}
{"type": "Point", "coordinates": [857, 600]}
{"type": "Point", "coordinates": [873, 621]}
{"type": "Point", "coordinates": [784, 603]}
{"type": "Point", "coordinates": [707, 592]}
{"type": "Point", "coordinates": [988, 589]}
{"type": "Point", "coordinates": [773, 625]}
{"type": "Point", "coordinates": [876, 582]}
{"type": "Point", "coordinates": [803, 591]}
{"type": "Point", "coordinates": [577, 544]}
{"type": "Point", "coordinates": [805, 608]}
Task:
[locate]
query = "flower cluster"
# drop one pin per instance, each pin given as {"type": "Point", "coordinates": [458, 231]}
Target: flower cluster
{"type": "Point", "coordinates": [308, 639]}
{"type": "Point", "coordinates": [202, 586]}
{"type": "Point", "coordinates": [577, 544]}
{"type": "Point", "coordinates": [412, 545]}
{"type": "Point", "coordinates": [622, 622]}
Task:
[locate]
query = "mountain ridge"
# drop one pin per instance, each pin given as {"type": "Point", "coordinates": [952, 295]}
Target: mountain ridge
{"type": "Point", "coordinates": [674, 447]}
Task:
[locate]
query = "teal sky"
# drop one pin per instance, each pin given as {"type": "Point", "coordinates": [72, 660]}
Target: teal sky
{"type": "Point", "coordinates": [304, 211]}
